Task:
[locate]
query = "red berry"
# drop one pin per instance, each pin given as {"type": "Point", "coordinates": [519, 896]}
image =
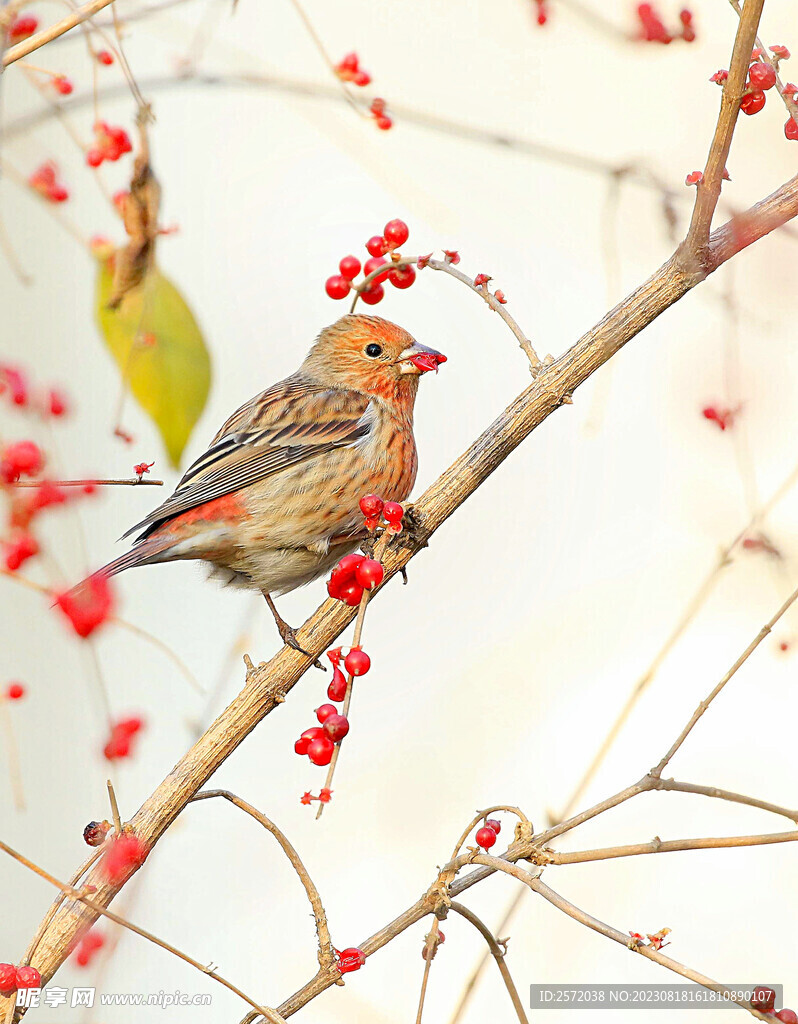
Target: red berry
{"type": "Point", "coordinates": [20, 551]}
{"type": "Point", "coordinates": [752, 102]}
{"type": "Point", "coordinates": [377, 246]}
{"type": "Point", "coordinates": [301, 746]}
{"type": "Point", "coordinates": [8, 979]}
{"type": "Point", "coordinates": [126, 853]}
{"type": "Point", "coordinates": [88, 604]}
{"type": "Point", "coordinates": [349, 267]}
{"type": "Point", "coordinates": [351, 959]}
{"type": "Point", "coordinates": [791, 130]}
{"type": "Point", "coordinates": [63, 85]}
{"type": "Point", "coordinates": [337, 286]}
{"type": "Point", "coordinates": [402, 277]}
{"type": "Point", "coordinates": [374, 264]}
{"type": "Point", "coordinates": [485, 837]}
{"type": "Point", "coordinates": [23, 27]}
{"type": "Point", "coordinates": [373, 294]}
{"type": "Point", "coordinates": [348, 565]}
{"type": "Point", "coordinates": [104, 57]}
{"type": "Point", "coordinates": [320, 750]}
{"type": "Point", "coordinates": [396, 233]}
{"type": "Point", "coordinates": [787, 1016]}
{"type": "Point", "coordinates": [94, 158]}
{"type": "Point", "coordinates": [351, 594]}
{"type": "Point", "coordinates": [336, 727]}
{"type": "Point", "coordinates": [337, 688]}
{"type": "Point", "coordinates": [495, 824]}
{"type": "Point", "coordinates": [371, 505]}
{"type": "Point", "coordinates": [362, 78]}
{"type": "Point", "coordinates": [311, 734]}
{"type": "Point", "coordinates": [780, 51]}
{"type": "Point", "coordinates": [357, 662]}
{"type": "Point", "coordinates": [393, 511]}
{"type": "Point", "coordinates": [762, 76]}
{"type": "Point", "coordinates": [369, 573]}
{"type": "Point", "coordinates": [24, 458]}
{"type": "Point", "coordinates": [15, 691]}
{"type": "Point", "coordinates": [324, 712]}
{"type": "Point", "coordinates": [372, 522]}
{"type": "Point", "coordinates": [350, 62]}
{"type": "Point", "coordinates": [763, 999]}
{"type": "Point", "coordinates": [384, 123]}
{"type": "Point", "coordinates": [28, 977]}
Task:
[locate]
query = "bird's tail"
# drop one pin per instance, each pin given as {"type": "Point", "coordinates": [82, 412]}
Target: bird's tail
{"type": "Point", "coordinates": [143, 553]}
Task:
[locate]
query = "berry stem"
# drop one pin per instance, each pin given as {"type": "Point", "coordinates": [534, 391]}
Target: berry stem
{"type": "Point", "coordinates": [498, 307]}
{"type": "Point", "coordinates": [361, 615]}
{"type": "Point", "coordinates": [114, 807]}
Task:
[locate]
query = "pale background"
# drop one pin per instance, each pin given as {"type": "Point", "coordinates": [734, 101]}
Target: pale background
{"type": "Point", "coordinates": [525, 625]}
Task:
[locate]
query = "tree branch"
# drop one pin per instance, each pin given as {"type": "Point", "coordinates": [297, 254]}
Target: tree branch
{"type": "Point", "coordinates": [68, 22]}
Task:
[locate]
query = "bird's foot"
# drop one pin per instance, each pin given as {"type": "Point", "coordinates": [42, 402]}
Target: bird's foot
{"type": "Point", "coordinates": [288, 636]}
{"type": "Point", "coordinates": [414, 529]}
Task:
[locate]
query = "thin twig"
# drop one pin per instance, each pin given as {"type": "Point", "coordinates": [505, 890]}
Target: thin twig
{"type": "Point", "coordinates": [53, 32]}
{"type": "Point", "coordinates": [326, 954]}
{"type": "Point", "coordinates": [135, 481]}
{"type": "Point", "coordinates": [430, 945]}
{"type": "Point", "coordinates": [115, 816]}
{"type": "Point", "coordinates": [699, 711]}
{"type": "Point", "coordinates": [498, 955]}
{"type": "Point", "coordinates": [657, 845]}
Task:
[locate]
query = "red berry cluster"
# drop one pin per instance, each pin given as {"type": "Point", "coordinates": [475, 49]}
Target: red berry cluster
{"type": "Point", "coordinates": [724, 418]}
{"type": "Point", "coordinates": [761, 78]}
{"type": "Point", "coordinates": [395, 233]}
{"type": "Point", "coordinates": [15, 691]}
{"type": "Point", "coordinates": [653, 30]}
{"type": "Point", "coordinates": [124, 854]}
{"type": "Point", "coordinates": [120, 741]}
{"type": "Point", "coordinates": [13, 978]}
{"type": "Point", "coordinates": [88, 947]}
{"type": "Point", "coordinates": [87, 605]}
{"type": "Point", "coordinates": [351, 959]}
{"type": "Point", "coordinates": [377, 111]}
{"type": "Point", "coordinates": [44, 181]}
{"type": "Point", "coordinates": [354, 574]}
{"type": "Point", "coordinates": [349, 70]}
{"type": "Point", "coordinates": [22, 27]}
{"type": "Point", "coordinates": [318, 742]}
{"type": "Point", "coordinates": [110, 143]}
{"type": "Point", "coordinates": [489, 833]}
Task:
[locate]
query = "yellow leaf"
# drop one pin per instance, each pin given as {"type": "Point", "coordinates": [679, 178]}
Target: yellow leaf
{"type": "Point", "coordinates": [160, 351]}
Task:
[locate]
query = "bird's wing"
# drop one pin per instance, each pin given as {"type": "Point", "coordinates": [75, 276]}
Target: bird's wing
{"type": "Point", "coordinates": [291, 422]}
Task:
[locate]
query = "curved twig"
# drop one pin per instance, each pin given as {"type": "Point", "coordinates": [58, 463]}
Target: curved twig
{"type": "Point", "coordinates": [497, 954]}
{"type": "Point", "coordinates": [325, 954]}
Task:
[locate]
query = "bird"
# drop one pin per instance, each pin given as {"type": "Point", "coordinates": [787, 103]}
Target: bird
{"type": "Point", "coordinates": [273, 503]}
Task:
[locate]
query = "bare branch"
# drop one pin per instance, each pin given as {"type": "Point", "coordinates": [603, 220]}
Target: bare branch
{"type": "Point", "coordinates": [657, 845]}
{"type": "Point", "coordinates": [326, 954]}
{"type": "Point", "coordinates": [497, 954]}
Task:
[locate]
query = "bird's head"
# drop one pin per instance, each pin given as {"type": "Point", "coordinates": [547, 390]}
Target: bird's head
{"type": "Point", "coordinates": [370, 355]}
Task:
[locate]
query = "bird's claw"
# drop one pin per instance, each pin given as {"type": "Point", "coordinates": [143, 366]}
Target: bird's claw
{"type": "Point", "coordinates": [288, 636]}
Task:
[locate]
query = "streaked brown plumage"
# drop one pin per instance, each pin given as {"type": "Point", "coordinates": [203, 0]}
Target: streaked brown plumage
{"type": "Point", "coordinates": [273, 503]}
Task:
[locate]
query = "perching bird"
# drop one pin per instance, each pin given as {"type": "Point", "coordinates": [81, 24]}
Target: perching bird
{"type": "Point", "coordinates": [274, 501]}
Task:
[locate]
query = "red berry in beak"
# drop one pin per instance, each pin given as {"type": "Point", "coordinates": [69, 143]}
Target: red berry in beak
{"type": "Point", "coordinates": [426, 361]}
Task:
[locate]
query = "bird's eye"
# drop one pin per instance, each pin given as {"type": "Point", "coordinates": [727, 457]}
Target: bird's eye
{"type": "Point", "coordinates": [373, 350]}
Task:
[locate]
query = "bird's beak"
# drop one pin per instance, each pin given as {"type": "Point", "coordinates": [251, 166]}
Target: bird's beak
{"type": "Point", "coordinates": [420, 359]}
